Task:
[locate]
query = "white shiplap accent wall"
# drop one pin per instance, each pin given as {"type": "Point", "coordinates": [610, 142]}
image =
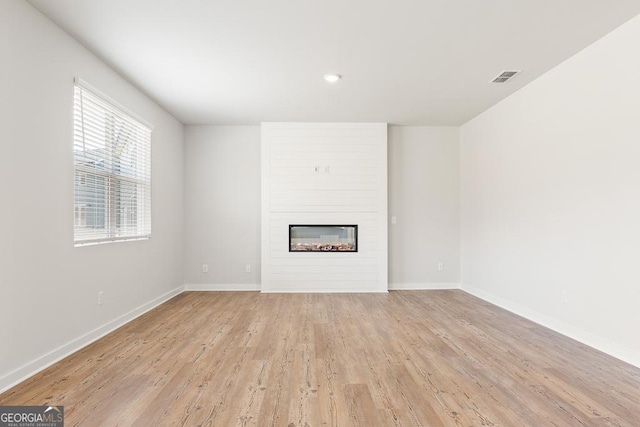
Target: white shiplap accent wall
{"type": "Point", "coordinates": [324, 173]}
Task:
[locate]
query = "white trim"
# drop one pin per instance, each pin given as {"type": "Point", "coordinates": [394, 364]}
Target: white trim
{"type": "Point", "coordinates": [81, 243]}
{"type": "Point", "coordinates": [324, 291]}
{"type": "Point", "coordinates": [222, 287]}
{"type": "Point", "coordinates": [587, 338]}
{"type": "Point", "coordinates": [31, 368]}
{"type": "Point", "coordinates": [429, 286]}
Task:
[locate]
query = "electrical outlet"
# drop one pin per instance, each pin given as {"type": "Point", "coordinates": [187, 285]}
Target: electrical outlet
{"type": "Point", "coordinates": [205, 268]}
{"type": "Point", "coordinates": [100, 297]}
{"type": "Point", "coordinates": [441, 266]}
{"type": "Point", "coordinates": [564, 296]}
{"type": "Point", "coordinates": [247, 268]}
{"type": "Point", "coordinates": [394, 220]}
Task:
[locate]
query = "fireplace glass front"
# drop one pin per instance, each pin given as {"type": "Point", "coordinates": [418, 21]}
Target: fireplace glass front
{"type": "Point", "coordinates": [323, 238]}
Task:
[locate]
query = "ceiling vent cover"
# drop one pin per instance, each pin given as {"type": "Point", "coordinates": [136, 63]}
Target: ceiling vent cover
{"type": "Point", "coordinates": [505, 76]}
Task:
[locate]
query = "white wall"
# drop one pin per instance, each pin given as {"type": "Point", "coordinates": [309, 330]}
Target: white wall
{"type": "Point", "coordinates": [222, 207]}
{"type": "Point", "coordinates": [424, 197]}
{"type": "Point", "coordinates": [48, 303]}
{"type": "Point", "coordinates": [324, 173]}
{"type": "Point", "coordinates": [550, 198]}
{"type": "Point", "coordinates": [222, 181]}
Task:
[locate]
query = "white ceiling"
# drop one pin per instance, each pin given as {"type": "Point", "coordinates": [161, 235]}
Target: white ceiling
{"type": "Point", "coordinates": [425, 62]}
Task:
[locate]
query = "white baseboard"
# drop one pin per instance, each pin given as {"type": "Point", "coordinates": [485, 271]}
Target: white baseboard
{"type": "Point", "coordinates": [222, 287]}
{"type": "Point", "coordinates": [29, 369]}
{"type": "Point", "coordinates": [323, 291]}
{"type": "Point", "coordinates": [422, 286]}
{"type": "Point", "coordinates": [597, 342]}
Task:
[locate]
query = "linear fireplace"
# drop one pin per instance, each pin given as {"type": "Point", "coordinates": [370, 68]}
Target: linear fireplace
{"type": "Point", "coordinates": [323, 238]}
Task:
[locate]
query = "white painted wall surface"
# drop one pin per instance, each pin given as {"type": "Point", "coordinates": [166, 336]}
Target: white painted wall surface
{"type": "Point", "coordinates": [48, 303]}
{"type": "Point", "coordinates": [424, 198]}
{"type": "Point", "coordinates": [222, 207]}
{"type": "Point", "coordinates": [222, 182]}
{"type": "Point", "coordinates": [550, 198]}
{"type": "Point", "coordinates": [324, 173]}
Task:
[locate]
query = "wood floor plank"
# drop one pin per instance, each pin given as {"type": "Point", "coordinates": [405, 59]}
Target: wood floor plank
{"type": "Point", "coordinates": [407, 358]}
{"type": "Point", "coordinates": [360, 407]}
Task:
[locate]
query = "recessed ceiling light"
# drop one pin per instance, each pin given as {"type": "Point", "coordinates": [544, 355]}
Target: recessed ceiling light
{"type": "Point", "coordinates": [332, 78]}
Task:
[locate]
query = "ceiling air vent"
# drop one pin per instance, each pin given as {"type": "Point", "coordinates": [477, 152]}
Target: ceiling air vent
{"type": "Point", "coordinates": [505, 76]}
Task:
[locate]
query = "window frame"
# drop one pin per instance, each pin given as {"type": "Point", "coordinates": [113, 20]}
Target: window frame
{"type": "Point", "coordinates": [122, 186]}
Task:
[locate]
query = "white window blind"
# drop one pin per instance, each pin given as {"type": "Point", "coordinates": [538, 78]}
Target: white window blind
{"type": "Point", "coordinates": [112, 176]}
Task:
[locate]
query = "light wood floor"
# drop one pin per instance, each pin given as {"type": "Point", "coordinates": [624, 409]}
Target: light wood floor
{"type": "Point", "coordinates": [407, 358]}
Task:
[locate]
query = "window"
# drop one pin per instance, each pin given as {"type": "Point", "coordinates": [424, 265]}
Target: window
{"type": "Point", "coordinates": [80, 215]}
{"type": "Point", "coordinates": [112, 177]}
